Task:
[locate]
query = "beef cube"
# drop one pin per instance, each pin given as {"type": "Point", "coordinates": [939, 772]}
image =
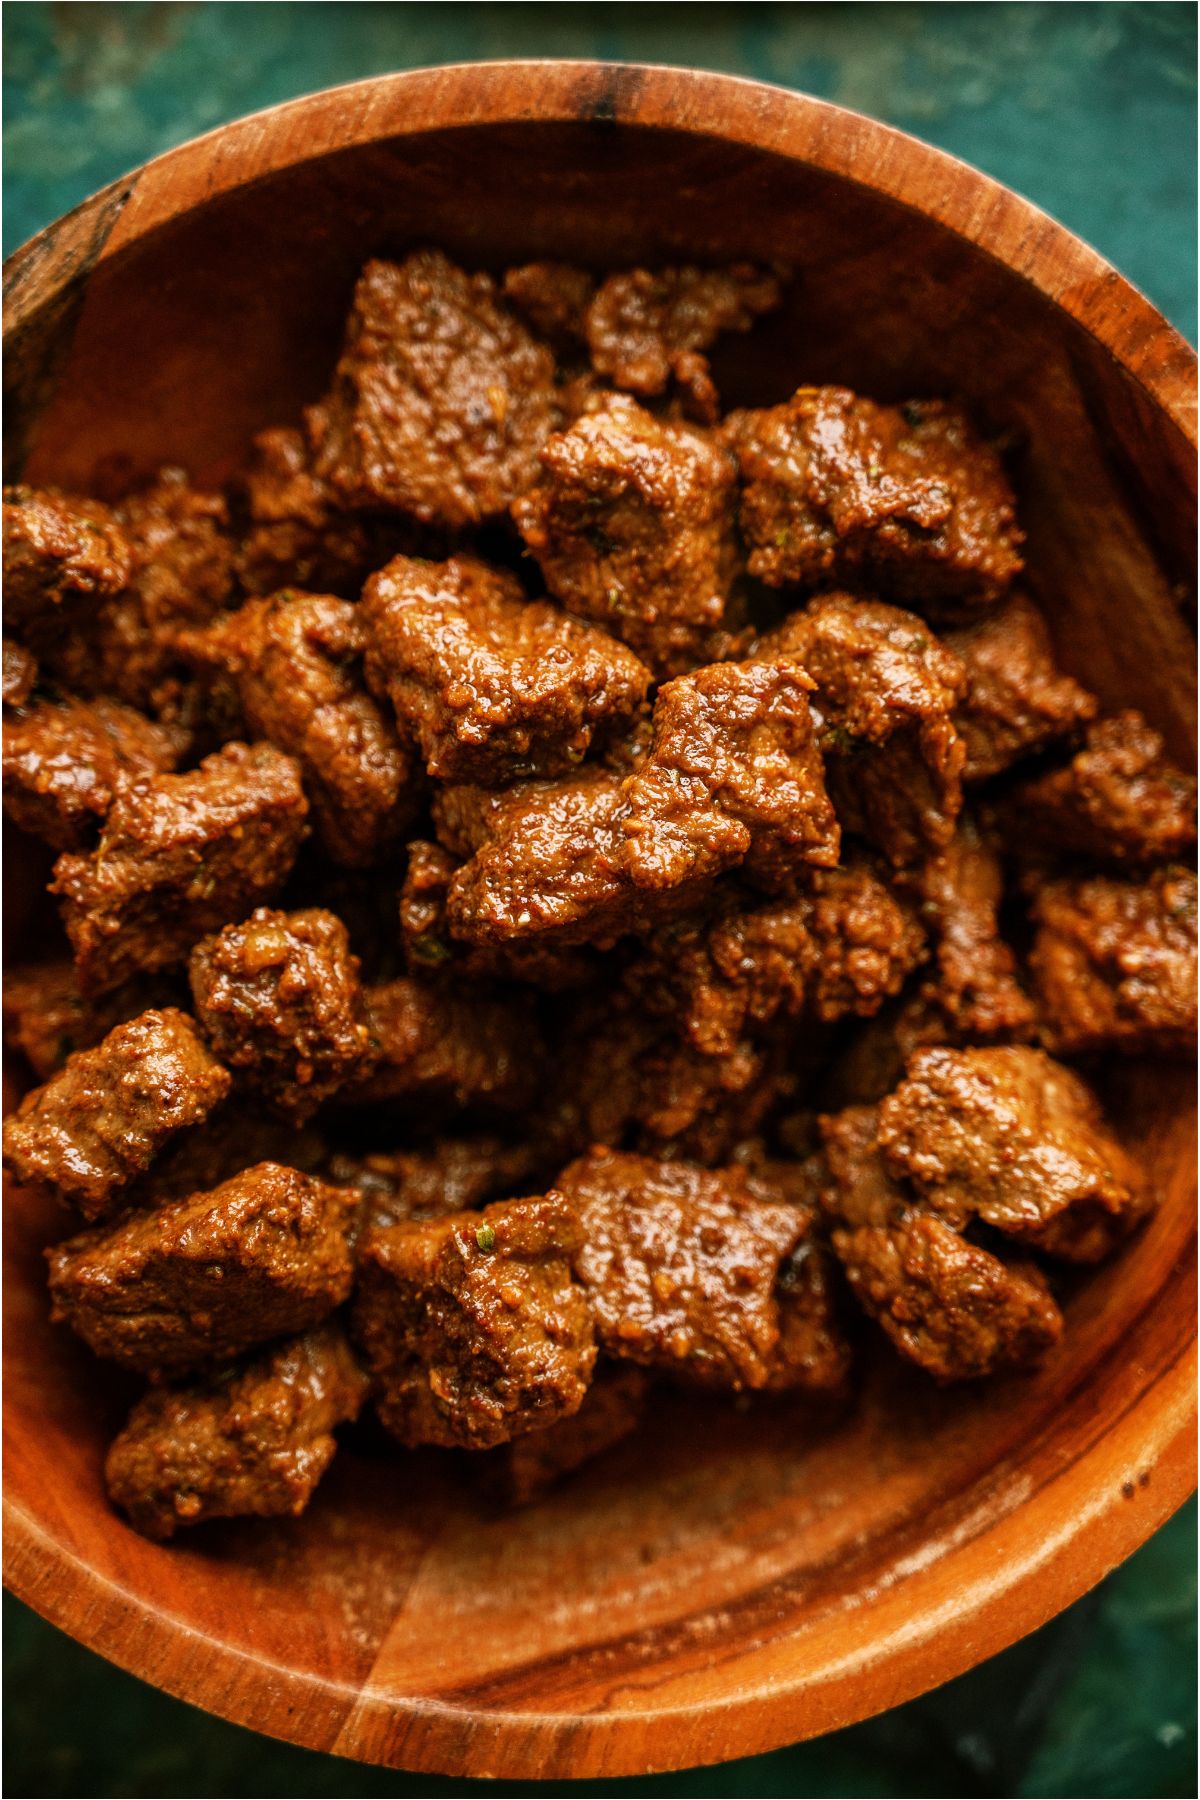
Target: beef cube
{"type": "Point", "coordinates": [527, 1468]}
{"type": "Point", "coordinates": [434, 1046]}
{"type": "Point", "coordinates": [906, 498]}
{"type": "Point", "coordinates": [66, 760]}
{"type": "Point", "coordinates": [181, 855]}
{"type": "Point", "coordinates": [59, 551]}
{"type": "Point", "coordinates": [297, 534]}
{"type": "Point", "coordinates": [452, 1175]}
{"type": "Point", "coordinates": [102, 1119]}
{"type": "Point", "coordinates": [1114, 964]}
{"type": "Point", "coordinates": [251, 1442]}
{"type": "Point", "coordinates": [472, 1325]}
{"type": "Point", "coordinates": [1007, 1136]}
{"type": "Point", "coordinates": [206, 1277]}
{"type": "Point", "coordinates": [681, 1264]}
{"type": "Point", "coordinates": [632, 522]}
{"type": "Point", "coordinates": [294, 659]}
{"type": "Point", "coordinates": [428, 943]}
{"type": "Point", "coordinates": [20, 673]}
{"type": "Point", "coordinates": [886, 691]}
{"type": "Point", "coordinates": [733, 776]}
{"type": "Point", "coordinates": [646, 327]}
{"type": "Point", "coordinates": [47, 1018]}
{"type": "Point", "coordinates": [1019, 700]}
{"type": "Point", "coordinates": [441, 398]}
{"type": "Point", "coordinates": [972, 995]}
{"type": "Point", "coordinates": [1120, 800]}
{"type": "Point", "coordinates": [492, 686]}
{"type": "Point", "coordinates": [181, 576]}
{"type": "Point", "coordinates": [552, 297]}
{"type": "Point", "coordinates": [279, 1000]}
{"type": "Point", "coordinates": [953, 1308]}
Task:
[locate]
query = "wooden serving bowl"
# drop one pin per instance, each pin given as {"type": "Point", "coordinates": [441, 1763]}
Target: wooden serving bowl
{"type": "Point", "coordinates": [728, 1581]}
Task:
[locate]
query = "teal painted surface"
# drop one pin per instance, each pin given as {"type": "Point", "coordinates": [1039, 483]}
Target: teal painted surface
{"type": "Point", "coordinates": [1088, 109]}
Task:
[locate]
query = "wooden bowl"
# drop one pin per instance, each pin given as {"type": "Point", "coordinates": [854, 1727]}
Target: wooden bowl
{"type": "Point", "coordinates": [727, 1582]}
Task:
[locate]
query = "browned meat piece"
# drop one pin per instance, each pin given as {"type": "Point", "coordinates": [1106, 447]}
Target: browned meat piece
{"type": "Point", "coordinates": [66, 760]}
{"type": "Point", "coordinates": [450, 1176]}
{"type": "Point", "coordinates": [906, 498]}
{"type": "Point", "coordinates": [1114, 964]}
{"type": "Point", "coordinates": [842, 945]}
{"type": "Point", "coordinates": [632, 524]}
{"type": "Point", "coordinates": [182, 575]}
{"type": "Point", "coordinates": [1119, 800]}
{"type": "Point", "coordinates": [297, 533]}
{"type": "Point", "coordinates": [181, 855]}
{"type": "Point", "coordinates": [47, 1018]}
{"type": "Point", "coordinates": [554, 298]}
{"type": "Point", "coordinates": [973, 994]}
{"type": "Point", "coordinates": [733, 776]}
{"type": "Point", "coordinates": [441, 399]}
{"type": "Point", "coordinates": [428, 943]}
{"type": "Point", "coordinates": [526, 1469]}
{"type": "Point", "coordinates": [1010, 1137]}
{"type": "Point", "coordinates": [59, 550]}
{"type": "Point", "coordinates": [235, 1136]}
{"type": "Point", "coordinates": [279, 1000]}
{"type": "Point", "coordinates": [681, 1264]}
{"type": "Point", "coordinates": [646, 327]}
{"type": "Point", "coordinates": [472, 1326]}
{"type": "Point", "coordinates": [20, 673]}
{"type": "Point", "coordinates": [206, 1277]}
{"type": "Point", "coordinates": [254, 1441]}
{"type": "Point", "coordinates": [294, 660]}
{"type": "Point", "coordinates": [492, 686]}
{"type": "Point", "coordinates": [1019, 700]}
{"type": "Point", "coordinates": [101, 1120]}
{"type": "Point", "coordinates": [886, 690]}
{"type": "Point", "coordinates": [951, 1307]}
{"type": "Point", "coordinates": [433, 1045]}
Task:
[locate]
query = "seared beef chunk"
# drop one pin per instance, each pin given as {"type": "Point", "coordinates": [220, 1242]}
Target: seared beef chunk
{"type": "Point", "coordinates": [206, 1277]}
{"type": "Point", "coordinates": [429, 944]}
{"type": "Point", "coordinates": [449, 1176]}
{"type": "Point", "coordinates": [632, 522]}
{"type": "Point", "coordinates": [492, 686]}
{"type": "Point", "coordinates": [20, 673]}
{"type": "Point", "coordinates": [441, 398]}
{"type": "Point", "coordinates": [906, 498]}
{"type": "Point", "coordinates": [279, 1000]}
{"type": "Point", "coordinates": [950, 1306]}
{"type": "Point", "coordinates": [66, 760]}
{"type": "Point", "coordinates": [102, 1119]}
{"type": "Point", "coordinates": [1120, 800]}
{"type": "Point", "coordinates": [472, 1326]}
{"type": "Point", "coordinates": [252, 1441]}
{"type": "Point", "coordinates": [1019, 700]}
{"type": "Point", "coordinates": [1114, 963]}
{"type": "Point", "coordinates": [62, 554]}
{"type": "Point", "coordinates": [646, 327]}
{"type": "Point", "coordinates": [885, 695]}
{"type": "Point", "coordinates": [431, 1044]}
{"type": "Point", "coordinates": [553, 297]}
{"type": "Point", "coordinates": [681, 1264]}
{"type": "Point", "coordinates": [1007, 1136]}
{"type": "Point", "coordinates": [294, 660]}
{"type": "Point", "coordinates": [526, 1468]}
{"type": "Point", "coordinates": [47, 1018]}
{"type": "Point", "coordinates": [181, 855]}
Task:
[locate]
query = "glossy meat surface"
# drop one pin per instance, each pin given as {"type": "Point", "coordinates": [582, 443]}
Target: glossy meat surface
{"type": "Point", "coordinates": [1019, 700]}
{"type": "Point", "coordinates": [66, 760]}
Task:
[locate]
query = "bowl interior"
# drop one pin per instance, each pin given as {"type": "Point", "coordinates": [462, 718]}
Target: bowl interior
{"type": "Point", "coordinates": [726, 1580]}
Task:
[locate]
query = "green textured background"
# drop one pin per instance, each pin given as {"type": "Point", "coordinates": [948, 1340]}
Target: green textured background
{"type": "Point", "coordinates": [1090, 110]}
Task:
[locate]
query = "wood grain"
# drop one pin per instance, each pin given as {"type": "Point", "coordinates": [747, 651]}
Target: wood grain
{"type": "Point", "coordinates": [719, 1585]}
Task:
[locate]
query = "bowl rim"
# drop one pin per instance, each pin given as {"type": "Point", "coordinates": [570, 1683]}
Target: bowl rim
{"type": "Point", "coordinates": [1158, 1433]}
